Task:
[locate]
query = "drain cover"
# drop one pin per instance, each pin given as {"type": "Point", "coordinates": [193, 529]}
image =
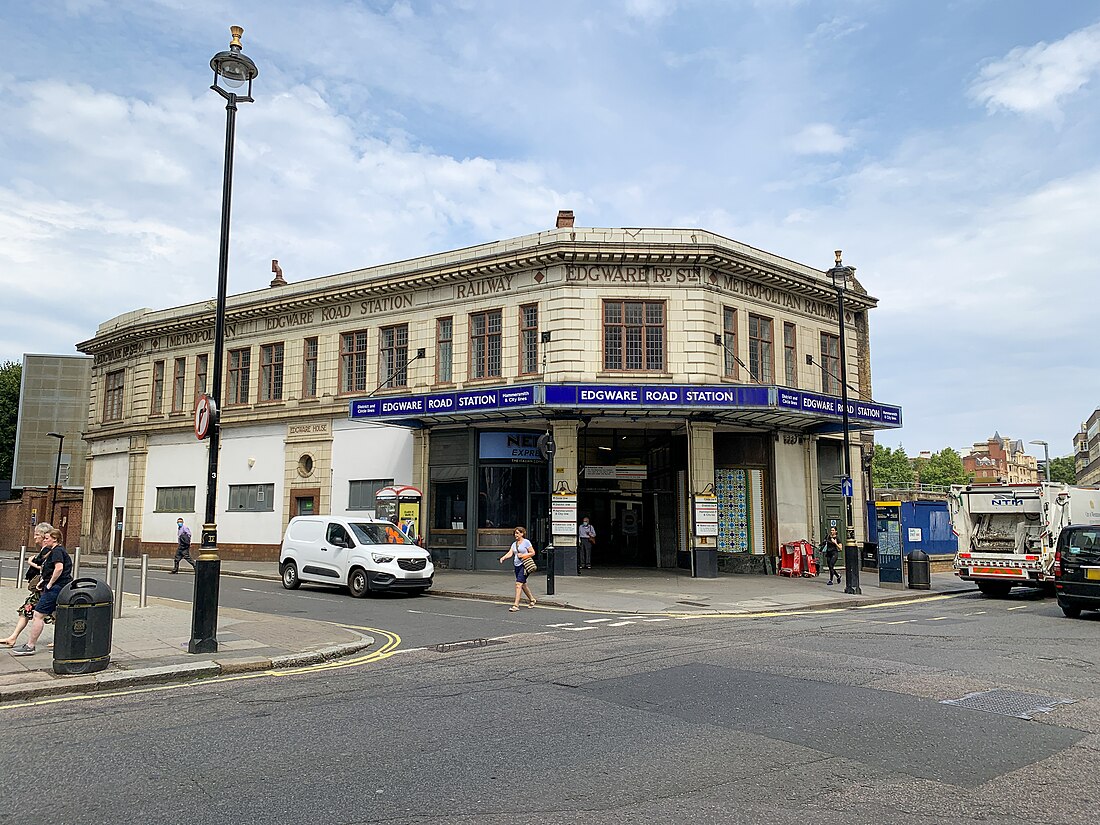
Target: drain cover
{"type": "Point", "coordinates": [1008, 703]}
{"type": "Point", "coordinates": [695, 604]}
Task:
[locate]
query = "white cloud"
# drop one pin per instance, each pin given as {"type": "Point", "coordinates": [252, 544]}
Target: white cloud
{"type": "Point", "coordinates": [1036, 79]}
{"type": "Point", "coordinates": [819, 139]}
{"type": "Point", "coordinates": [649, 11]}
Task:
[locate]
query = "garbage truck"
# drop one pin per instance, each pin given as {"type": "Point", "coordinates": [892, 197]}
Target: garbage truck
{"type": "Point", "coordinates": [1008, 532]}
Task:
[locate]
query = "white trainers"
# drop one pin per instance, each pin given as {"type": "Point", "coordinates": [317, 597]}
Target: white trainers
{"type": "Point", "coordinates": [23, 650]}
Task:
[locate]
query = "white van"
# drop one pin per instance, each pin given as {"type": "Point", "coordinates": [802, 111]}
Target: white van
{"type": "Point", "coordinates": [363, 554]}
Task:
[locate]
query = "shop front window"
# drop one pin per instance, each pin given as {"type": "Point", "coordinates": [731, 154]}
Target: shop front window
{"type": "Point", "coordinates": [502, 497]}
{"type": "Point", "coordinates": [449, 505]}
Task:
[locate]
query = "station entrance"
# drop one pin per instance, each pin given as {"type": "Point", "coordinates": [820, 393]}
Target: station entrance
{"type": "Point", "coordinates": [631, 483]}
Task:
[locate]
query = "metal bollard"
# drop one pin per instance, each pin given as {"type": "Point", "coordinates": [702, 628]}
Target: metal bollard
{"type": "Point", "coordinates": [118, 585]}
{"type": "Point", "coordinates": [76, 562]}
{"type": "Point", "coordinates": [22, 563]}
{"type": "Point", "coordinates": [110, 566]}
{"type": "Point", "coordinates": [144, 600]}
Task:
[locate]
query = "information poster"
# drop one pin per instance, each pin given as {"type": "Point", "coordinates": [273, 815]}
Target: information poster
{"type": "Point", "coordinates": [706, 516]}
{"type": "Point", "coordinates": [563, 514]}
{"type": "Point", "coordinates": [889, 542]}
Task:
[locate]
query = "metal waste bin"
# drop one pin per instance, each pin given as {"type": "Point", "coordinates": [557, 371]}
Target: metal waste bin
{"type": "Point", "coordinates": [920, 570]}
{"type": "Point", "coordinates": [82, 629]}
{"type": "Point", "coordinates": [706, 562]}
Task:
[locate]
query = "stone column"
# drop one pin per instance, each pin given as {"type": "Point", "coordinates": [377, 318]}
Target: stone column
{"type": "Point", "coordinates": [135, 495]}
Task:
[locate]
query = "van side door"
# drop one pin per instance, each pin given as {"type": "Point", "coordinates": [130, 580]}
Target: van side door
{"type": "Point", "coordinates": [335, 551]}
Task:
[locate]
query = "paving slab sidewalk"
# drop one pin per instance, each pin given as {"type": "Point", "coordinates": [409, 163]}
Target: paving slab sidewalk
{"type": "Point", "coordinates": [149, 644]}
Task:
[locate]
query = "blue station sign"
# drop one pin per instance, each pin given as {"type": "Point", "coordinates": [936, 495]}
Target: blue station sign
{"type": "Point", "coordinates": [621, 396]}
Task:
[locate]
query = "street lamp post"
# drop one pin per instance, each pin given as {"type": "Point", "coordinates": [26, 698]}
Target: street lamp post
{"type": "Point", "coordinates": [232, 71]}
{"type": "Point", "coordinates": [1046, 455]}
{"type": "Point", "coordinates": [839, 274]}
{"type": "Point", "coordinates": [56, 474]}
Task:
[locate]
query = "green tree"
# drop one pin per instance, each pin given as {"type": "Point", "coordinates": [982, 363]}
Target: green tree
{"type": "Point", "coordinates": [1063, 470]}
{"type": "Point", "coordinates": [10, 374]}
{"type": "Point", "coordinates": [943, 469]}
{"type": "Point", "coordinates": [891, 468]}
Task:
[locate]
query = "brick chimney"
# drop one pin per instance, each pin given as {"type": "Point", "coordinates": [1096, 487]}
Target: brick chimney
{"type": "Point", "coordinates": [278, 270]}
{"type": "Point", "coordinates": [565, 219]}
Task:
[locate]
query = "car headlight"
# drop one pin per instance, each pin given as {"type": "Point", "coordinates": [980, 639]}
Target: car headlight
{"type": "Point", "coordinates": [380, 558]}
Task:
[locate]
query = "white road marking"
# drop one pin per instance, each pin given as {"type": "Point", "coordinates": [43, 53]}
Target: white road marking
{"type": "Point", "coordinates": [903, 621]}
{"type": "Point", "coordinates": [580, 628]}
{"type": "Point", "coordinates": [977, 613]}
{"type": "Point", "coordinates": [595, 621]}
{"type": "Point", "coordinates": [938, 619]}
{"type": "Point", "coordinates": [654, 620]}
{"type": "Point", "coordinates": [562, 624]}
{"type": "Point", "coordinates": [620, 624]}
{"type": "Point", "coordinates": [1021, 607]}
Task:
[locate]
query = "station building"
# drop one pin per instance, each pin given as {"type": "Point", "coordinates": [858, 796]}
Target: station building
{"type": "Point", "coordinates": [669, 366]}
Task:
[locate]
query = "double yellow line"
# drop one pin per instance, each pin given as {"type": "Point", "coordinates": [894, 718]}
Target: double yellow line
{"type": "Point", "coordinates": [389, 647]}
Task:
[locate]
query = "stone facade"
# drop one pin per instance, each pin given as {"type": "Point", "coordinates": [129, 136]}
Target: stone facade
{"type": "Point", "coordinates": [565, 308]}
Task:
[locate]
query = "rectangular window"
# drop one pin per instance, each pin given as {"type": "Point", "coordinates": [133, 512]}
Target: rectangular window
{"type": "Point", "coordinates": [251, 498]}
{"type": "Point", "coordinates": [485, 330]}
{"type": "Point", "coordinates": [157, 404]}
{"type": "Point", "coordinates": [271, 372]}
{"type": "Point", "coordinates": [790, 354]}
{"type": "Point", "coordinates": [529, 338]}
{"type": "Point", "coordinates": [200, 375]}
{"type": "Point", "coordinates": [760, 348]}
{"type": "Point", "coordinates": [112, 395]}
{"type": "Point", "coordinates": [393, 356]}
{"type": "Point", "coordinates": [175, 500]}
{"type": "Point", "coordinates": [444, 350]}
{"type": "Point", "coordinates": [830, 364]}
{"type": "Point", "coordinates": [634, 335]}
{"type": "Point", "coordinates": [179, 371]}
{"type": "Point", "coordinates": [353, 361]}
{"type": "Point", "coordinates": [361, 493]}
{"type": "Point", "coordinates": [729, 342]}
{"type": "Point", "coordinates": [240, 371]}
{"type": "Point", "coordinates": [309, 369]}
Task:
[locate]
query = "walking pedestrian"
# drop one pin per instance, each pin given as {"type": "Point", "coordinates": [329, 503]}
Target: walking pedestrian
{"type": "Point", "coordinates": [183, 545]}
{"type": "Point", "coordinates": [57, 571]}
{"type": "Point", "coordinates": [521, 549]}
{"type": "Point", "coordinates": [586, 540]}
{"type": "Point", "coordinates": [832, 550]}
{"type": "Point", "coordinates": [32, 576]}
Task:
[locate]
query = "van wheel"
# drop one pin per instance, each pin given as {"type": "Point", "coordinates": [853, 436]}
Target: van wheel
{"type": "Point", "coordinates": [357, 582]}
{"type": "Point", "coordinates": [1071, 611]}
{"type": "Point", "coordinates": [289, 575]}
{"type": "Point", "coordinates": [997, 590]}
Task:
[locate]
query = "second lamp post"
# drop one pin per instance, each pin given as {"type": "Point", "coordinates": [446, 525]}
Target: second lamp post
{"type": "Point", "coordinates": [839, 274]}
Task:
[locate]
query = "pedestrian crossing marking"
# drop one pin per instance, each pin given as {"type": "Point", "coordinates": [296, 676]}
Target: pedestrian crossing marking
{"type": "Point", "coordinates": [595, 621]}
{"type": "Point", "coordinates": [1020, 607]}
{"type": "Point", "coordinates": [620, 624]}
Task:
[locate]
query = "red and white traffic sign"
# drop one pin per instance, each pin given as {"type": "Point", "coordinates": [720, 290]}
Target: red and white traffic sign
{"type": "Point", "coordinates": [205, 410]}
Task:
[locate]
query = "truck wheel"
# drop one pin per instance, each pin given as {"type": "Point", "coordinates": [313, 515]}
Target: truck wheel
{"type": "Point", "coordinates": [998, 590]}
{"type": "Point", "coordinates": [289, 575]}
{"type": "Point", "coordinates": [1071, 611]}
{"type": "Point", "coordinates": [357, 582]}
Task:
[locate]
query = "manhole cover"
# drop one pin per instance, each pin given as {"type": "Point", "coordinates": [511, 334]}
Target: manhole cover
{"type": "Point", "coordinates": [694, 604]}
{"type": "Point", "coordinates": [1008, 703]}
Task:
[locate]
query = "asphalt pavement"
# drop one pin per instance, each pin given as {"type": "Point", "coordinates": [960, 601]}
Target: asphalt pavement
{"type": "Point", "coordinates": [150, 643]}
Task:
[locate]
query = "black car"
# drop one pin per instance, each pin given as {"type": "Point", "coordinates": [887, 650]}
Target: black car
{"type": "Point", "coordinates": [1077, 569]}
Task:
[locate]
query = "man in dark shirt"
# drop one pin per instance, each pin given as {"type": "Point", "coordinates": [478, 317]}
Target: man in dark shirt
{"type": "Point", "coordinates": [183, 545]}
{"type": "Point", "coordinates": [57, 571]}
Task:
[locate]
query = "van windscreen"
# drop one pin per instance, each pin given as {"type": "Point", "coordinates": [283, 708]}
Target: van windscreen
{"type": "Point", "coordinates": [378, 534]}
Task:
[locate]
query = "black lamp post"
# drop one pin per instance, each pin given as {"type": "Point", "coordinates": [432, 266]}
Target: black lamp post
{"type": "Point", "coordinates": [839, 274]}
{"type": "Point", "coordinates": [56, 474]}
{"type": "Point", "coordinates": [232, 71]}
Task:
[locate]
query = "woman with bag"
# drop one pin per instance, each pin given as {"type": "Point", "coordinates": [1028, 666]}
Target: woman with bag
{"type": "Point", "coordinates": [34, 571]}
{"type": "Point", "coordinates": [832, 550]}
{"type": "Point", "coordinates": [522, 553]}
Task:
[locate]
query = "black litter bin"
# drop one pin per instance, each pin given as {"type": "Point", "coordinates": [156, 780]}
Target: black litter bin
{"type": "Point", "coordinates": [869, 556]}
{"type": "Point", "coordinates": [82, 629]}
{"type": "Point", "coordinates": [920, 570]}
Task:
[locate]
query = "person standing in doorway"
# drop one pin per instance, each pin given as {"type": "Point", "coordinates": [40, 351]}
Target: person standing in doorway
{"type": "Point", "coordinates": [832, 550]}
{"type": "Point", "coordinates": [520, 550]}
{"type": "Point", "coordinates": [183, 545]}
{"type": "Point", "coordinates": [586, 540]}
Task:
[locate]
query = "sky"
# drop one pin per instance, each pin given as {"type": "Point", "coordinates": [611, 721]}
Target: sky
{"type": "Point", "coordinates": [949, 148]}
